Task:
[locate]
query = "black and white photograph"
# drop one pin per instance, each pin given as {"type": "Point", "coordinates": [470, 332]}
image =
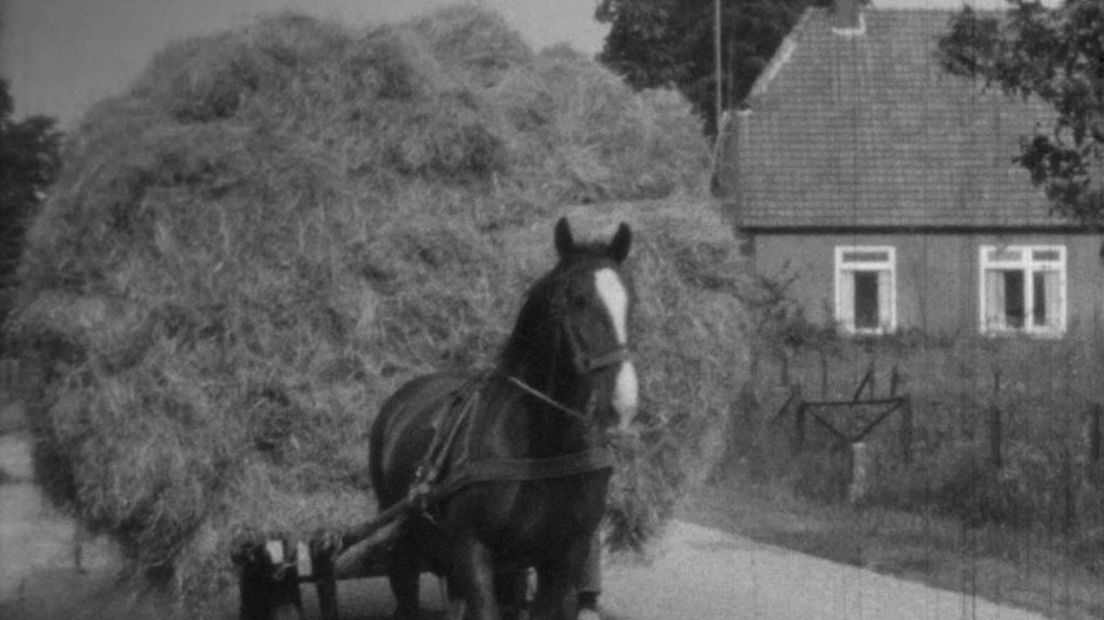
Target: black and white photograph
{"type": "Point", "coordinates": [551, 310]}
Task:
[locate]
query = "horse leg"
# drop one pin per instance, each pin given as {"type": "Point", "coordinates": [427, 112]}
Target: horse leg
{"type": "Point", "coordinates": [511, 590]}
{"type": "Point", "coordinates": [556, 584]}
{"type": "Point", "coordinates": [403, 572]}
{"type": "Point", "coordinates": [474, 577]}
{"type": "Point", "coordinates": [456, 605]}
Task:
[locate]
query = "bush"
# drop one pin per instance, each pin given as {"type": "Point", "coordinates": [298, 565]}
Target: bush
{"type": "Point", "coordinates": [1042, 390]}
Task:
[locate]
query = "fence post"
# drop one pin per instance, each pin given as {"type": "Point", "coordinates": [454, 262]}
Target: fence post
{"type": "Point", "coordinates": [1069, 500]}
{"type": "Point", "coordinates": [906, 430]}
{"type": "Point", "coordinates": [799, 419]}
{"type": "Point", "coordinates": [995, 436]}
{"type": "Point", "coordinates": [823, 374]}
{"type": "Point", "coordinates": [994, 422]}
{"type": "Point", "coordinates": [1093, 430]}
{"type": "Point", "coordinates": [860, 472]}
{"type": "Point", "coordinates": [872, 391]}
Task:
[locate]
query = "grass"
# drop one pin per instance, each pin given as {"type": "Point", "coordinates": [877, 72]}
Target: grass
{"type": "Point", "coordinates": [1025, 569]}
{"type": "Point", "coordinates": [1027, 532]}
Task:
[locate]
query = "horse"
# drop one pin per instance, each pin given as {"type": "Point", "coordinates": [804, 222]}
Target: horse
{"type": "Point", "coordinates": [519, 452]}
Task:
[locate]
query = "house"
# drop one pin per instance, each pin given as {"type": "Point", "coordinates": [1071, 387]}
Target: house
{"type": "Point", "coordinates": [886, 187]}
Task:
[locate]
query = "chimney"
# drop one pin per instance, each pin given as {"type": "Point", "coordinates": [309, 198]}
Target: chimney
{"type": "Point", "coordinates": [847, 15]}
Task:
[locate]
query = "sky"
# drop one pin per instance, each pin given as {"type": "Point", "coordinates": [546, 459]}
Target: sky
{"type": "Point", "coordinates": [61, 56]}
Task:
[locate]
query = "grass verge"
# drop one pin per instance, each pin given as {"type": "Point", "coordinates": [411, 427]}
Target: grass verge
{"type": "Point", "coordinates": [1035, 571]}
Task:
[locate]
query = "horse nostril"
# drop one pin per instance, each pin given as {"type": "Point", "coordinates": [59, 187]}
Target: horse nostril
{"type": "Point", "coordinates": [622, 436]}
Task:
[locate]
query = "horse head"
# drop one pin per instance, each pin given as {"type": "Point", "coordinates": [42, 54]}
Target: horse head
{"type": "Point", "coordinates": [573, 340]}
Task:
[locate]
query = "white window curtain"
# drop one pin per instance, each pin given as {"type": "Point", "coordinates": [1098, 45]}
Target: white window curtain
{"type": "Point", "coordinates": [1038, 274]}
{"type": "Point", "coordinates": [846, 307]}
{"type": "Point", "coordinates": [867, 272]}
{"type": "Point", "coordinates": [885, 310]}
{"type": "Point", "coordinates": [1051, 302]}
{"type": "Point", "coordinates": [995, 302]}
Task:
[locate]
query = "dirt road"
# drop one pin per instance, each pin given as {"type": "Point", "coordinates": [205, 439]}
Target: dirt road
{"type": "Point", "coordinates": [703, 573]}
{"type": "Point", "coordinates": [693, 573]}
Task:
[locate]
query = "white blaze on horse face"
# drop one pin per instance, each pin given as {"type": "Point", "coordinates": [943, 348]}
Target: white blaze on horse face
{"type": "Point", "coordinates": [625, 393]}
{"type": "Point", "coordinates": [616, 299]}
{"type": "Point", "coordinates": [613, 294]}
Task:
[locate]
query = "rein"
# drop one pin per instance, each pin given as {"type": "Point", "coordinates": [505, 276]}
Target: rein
{"type": "Point", "coordinates": [546, 399]}
{"type": "Point", "coordinates": [588, 364]}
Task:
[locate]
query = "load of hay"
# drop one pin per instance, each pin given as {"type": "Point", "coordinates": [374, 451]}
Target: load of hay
{"type": "Point", "coordinates": [276, 225]}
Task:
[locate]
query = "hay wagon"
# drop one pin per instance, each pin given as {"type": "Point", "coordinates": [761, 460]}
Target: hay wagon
{"type": "Point", "coordinates": [272, 573]}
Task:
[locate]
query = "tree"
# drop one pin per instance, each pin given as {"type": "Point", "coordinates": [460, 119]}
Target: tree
{"type": "Point", "coordinates": [655, 43]}
{"type": "Point", "coordinates": [1057, 56]}
{"type": "Point", "coordinates": [29, 161]}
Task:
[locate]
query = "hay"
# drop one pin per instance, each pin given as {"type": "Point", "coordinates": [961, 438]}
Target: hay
{"type": "Point", "coordinates": [277, 225]}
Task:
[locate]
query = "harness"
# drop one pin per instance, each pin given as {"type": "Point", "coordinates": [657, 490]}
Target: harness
{"type": "Point", "coordinates": [452, 418]}
{"type": "Point", "coordinates": [428, 488]}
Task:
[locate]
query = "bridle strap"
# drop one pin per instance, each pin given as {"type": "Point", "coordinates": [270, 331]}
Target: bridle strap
{"type": "Point", "coordinates": [591, 363]}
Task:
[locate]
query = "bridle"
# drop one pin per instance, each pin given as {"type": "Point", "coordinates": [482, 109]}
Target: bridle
{"type": "Point", "coordinates": [587, 363]}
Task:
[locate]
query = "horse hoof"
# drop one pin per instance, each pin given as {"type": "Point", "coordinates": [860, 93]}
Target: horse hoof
{"type": "Point", "coordinates": [588, 614]}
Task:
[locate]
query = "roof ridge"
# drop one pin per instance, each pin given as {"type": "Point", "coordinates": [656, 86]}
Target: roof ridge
{"type": "Point", "coordinates": [781, 56]}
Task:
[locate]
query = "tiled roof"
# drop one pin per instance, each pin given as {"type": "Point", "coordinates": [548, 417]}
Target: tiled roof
{"type": "Point", "coordinates": [867, 130]}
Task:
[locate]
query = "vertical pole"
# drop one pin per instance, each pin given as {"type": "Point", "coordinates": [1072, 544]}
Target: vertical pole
{"type": "Point", "coordinates": [325, 583]}
{"type": "Point", "coordinates": [1069, 500]}
{"type": "Point", "coordinates": [1094, 433]}
{"type": "Point", "coordinates": [906, 430]}
{"type": "Point", "coordinates": [799, 423]}
{"type": "Point", "coordinates": [860, 472]}
{"type": "Point", "coordinates": [823, 375]}
{"type": "Point", "coordinates": [719, 102]}
{"type": "Point", "coordinates": [995, 432]}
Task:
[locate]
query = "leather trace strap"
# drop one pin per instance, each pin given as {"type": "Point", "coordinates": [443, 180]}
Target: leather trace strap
{"type": "Point", "coordinates": [523, 470]}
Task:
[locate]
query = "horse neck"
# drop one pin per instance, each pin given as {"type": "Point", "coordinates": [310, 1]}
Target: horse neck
{"type": "Point", "coordinates": [544, 428]}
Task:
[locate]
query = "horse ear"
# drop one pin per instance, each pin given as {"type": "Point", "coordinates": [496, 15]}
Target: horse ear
{"type": "Point", "coordinates": [565, 243]}
{"type": "Point", "coordinates": [619, 246]}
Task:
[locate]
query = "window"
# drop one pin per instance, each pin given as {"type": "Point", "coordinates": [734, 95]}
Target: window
{"type": "Point", "coordinates": [866, 289]}
{"type": "Point", "coordinates": [1023, 289]}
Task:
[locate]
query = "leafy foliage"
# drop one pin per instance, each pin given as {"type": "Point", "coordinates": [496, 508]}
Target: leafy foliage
{"type": "Point", "coordinates": [671, 43]}
{"type": "Point", "coordinates": [1056, 55]}
{"type": "Point", "coordinates": [29, 161]}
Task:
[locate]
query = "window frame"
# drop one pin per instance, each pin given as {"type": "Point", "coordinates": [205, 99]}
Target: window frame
{"type": "Point", "coordinates": [1029, 265]}
{"type": "Point", "coordinates": [840, 267]}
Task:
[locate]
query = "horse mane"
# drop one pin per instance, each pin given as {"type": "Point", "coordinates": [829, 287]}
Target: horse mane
{"type": "Point", "coordinates": [535, 336]}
